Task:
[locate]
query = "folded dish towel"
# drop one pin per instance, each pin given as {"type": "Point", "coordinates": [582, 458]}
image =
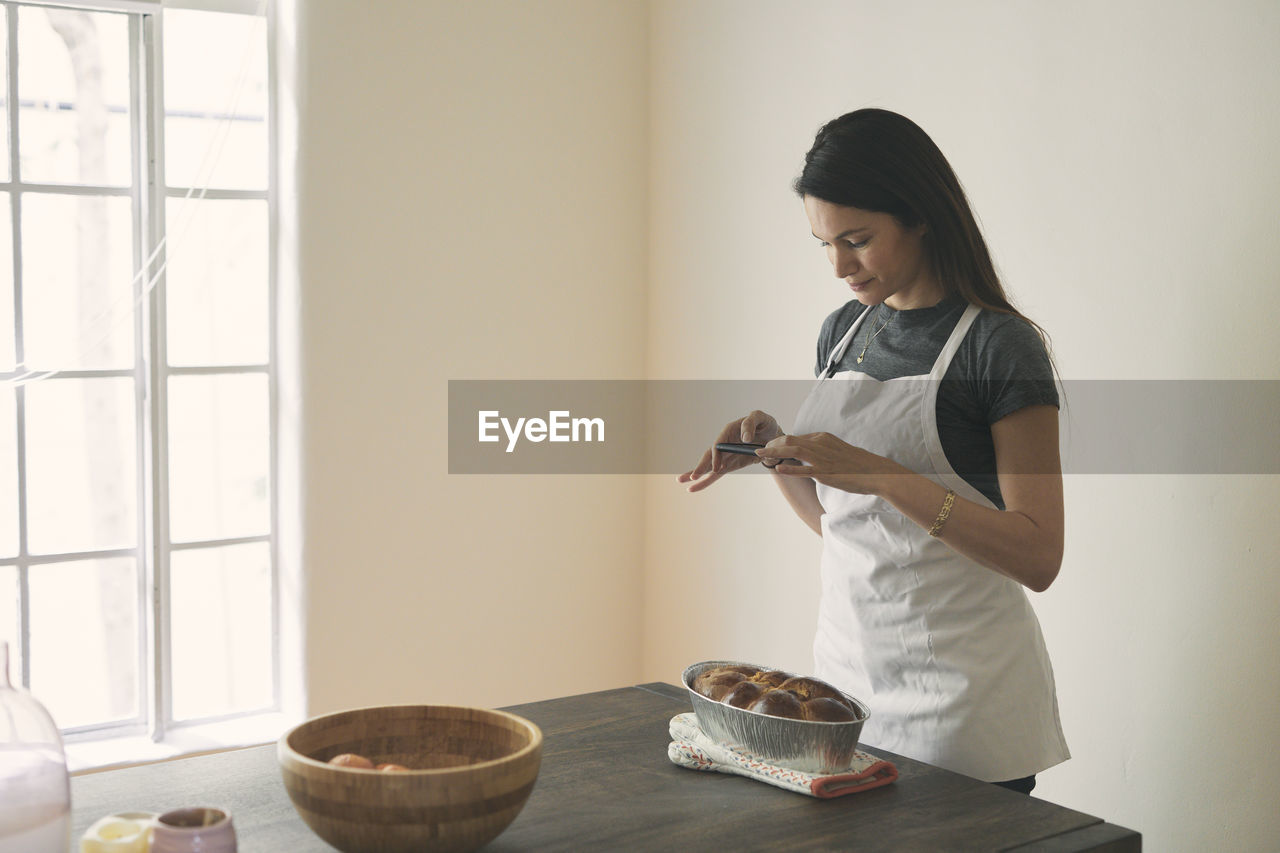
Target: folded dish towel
{"type": "Point", "coordinates": [691, 747]}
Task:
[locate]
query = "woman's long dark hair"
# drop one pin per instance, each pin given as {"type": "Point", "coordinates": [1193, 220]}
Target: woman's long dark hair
{"type": "Point", "coordinates": [879, 161]}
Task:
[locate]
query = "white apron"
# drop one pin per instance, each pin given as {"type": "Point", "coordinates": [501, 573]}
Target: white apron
{"type": "Point", "coordinates": [947, 654]}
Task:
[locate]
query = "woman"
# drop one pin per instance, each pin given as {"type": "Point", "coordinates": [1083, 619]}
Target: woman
{"type": "Point", "coordinates": [927, 459]}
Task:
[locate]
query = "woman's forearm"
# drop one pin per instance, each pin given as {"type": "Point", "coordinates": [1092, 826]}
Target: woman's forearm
{"type": "Point", "coordinates": [1014, 543]}
{"type": "Point", "coordinates": [801, 493]}
{"type": "Point", "coordinates": [1023, 541]}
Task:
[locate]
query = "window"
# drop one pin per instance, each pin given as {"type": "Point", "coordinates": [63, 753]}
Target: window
{"type": "Point", "coordinates": [137, 382]}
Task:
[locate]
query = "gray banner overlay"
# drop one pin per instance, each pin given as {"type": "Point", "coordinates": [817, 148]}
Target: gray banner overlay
{"type": "Point", "coordinates": [663, 426]}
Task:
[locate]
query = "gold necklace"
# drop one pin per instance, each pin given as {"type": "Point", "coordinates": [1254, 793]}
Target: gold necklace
{"type": "Point", "coordinates": [872, 336]}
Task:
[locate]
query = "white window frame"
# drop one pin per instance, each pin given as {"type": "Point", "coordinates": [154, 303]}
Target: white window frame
{"type": "Point", "coordinates": [153, 733]}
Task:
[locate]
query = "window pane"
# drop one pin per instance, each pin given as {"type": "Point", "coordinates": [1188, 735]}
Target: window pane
{"type": "Point", "coordinates": [8, 359]}
{"type": "Point", "coordinates": [9, 621]}
{"type": "Point", "coordinates": [216, 282]}
{"type": "Point", "coordinates": [4, 92]}
{"type": "Point", "coordinates": [73, 88]}
{"type": "Point", "coordinates": [8, 473]}
{"type": "Point", "coordinates": [220, 605]}
{"type": "Point", "coordinates": [215, 98]}
{"type": "Point", "coordinates": [77, 293]}
{"type": "Point", "coordinates": [81, 465]}
{"type": "Point", "coordinates": [84, 640]}
{"type": "Point", "coordinates": [218, 457]}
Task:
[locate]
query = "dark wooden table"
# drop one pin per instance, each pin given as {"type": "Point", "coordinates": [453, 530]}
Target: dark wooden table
{"type": "Point", "coordinates": [606, 784]}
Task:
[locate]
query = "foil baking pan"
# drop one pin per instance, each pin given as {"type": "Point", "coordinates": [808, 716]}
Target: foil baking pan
{"type": "Point", "coordinates": [804, 745]}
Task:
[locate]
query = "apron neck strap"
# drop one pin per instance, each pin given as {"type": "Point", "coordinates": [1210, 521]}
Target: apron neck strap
{"type": "Point", "coordinates": [953, 342]}
{"type": "Point", "coordinates": [843, 345]}
{"type": "Point", "coordinates": [939, 366]}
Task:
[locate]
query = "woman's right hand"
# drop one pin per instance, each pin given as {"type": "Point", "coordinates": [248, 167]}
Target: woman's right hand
{"type": "Point", "coordinates": [756, 428]}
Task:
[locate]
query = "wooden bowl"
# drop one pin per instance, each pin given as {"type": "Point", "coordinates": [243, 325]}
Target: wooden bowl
{"type": "Point", "coordinates": [471, 771]}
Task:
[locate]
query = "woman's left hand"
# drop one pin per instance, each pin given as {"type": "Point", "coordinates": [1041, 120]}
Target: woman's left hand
{"type": "Point", "coordinates": [829, 460]}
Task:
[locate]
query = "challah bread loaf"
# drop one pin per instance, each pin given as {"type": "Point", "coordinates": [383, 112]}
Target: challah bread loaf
{"type": "Point", "coordinates": [776, 693]}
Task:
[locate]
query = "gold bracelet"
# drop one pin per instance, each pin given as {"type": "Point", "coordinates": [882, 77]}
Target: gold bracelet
{"type": "Point", "coordinates": [943, 513]}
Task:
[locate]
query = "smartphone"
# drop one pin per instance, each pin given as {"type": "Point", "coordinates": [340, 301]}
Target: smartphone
{"type": "Point", "coordinates": [738, 447]}
{"type": "Point", "coordinates": [747, 449]}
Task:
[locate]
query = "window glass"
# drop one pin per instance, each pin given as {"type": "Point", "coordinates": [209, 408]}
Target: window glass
{"type": "Point", "coordinates": [216, 282]}
{"type": "Point", "coordinates": [81, 465]}
{"type": "Point", "coordinates": [215, 99]}
{"type": "Point", "coordinates": [73, 92]}
{"type": "Point", "coordinates": [218, 457]}
{"type": "Point", "coordinates": [8, 358]}
{"type": "Point", "coordinates": [77, 274]}
{"type": "Point", "coordinates": [4, 94]}
{"type": "Point", "coordinates": [9, 621]}
{"type": "Point", "coordinates": [84, 640]}
{"type": "Point", "coordinates": [8, 473]}
{"type": "Point", "coordinates": [220, 606]}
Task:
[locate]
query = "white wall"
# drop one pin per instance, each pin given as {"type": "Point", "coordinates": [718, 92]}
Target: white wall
{"type": "Point", "coordinates": [470, 205]}
{"type": "Point", "coordinates": [492, 189]}
{"type": "Point", "coordinates": [1122, 158]}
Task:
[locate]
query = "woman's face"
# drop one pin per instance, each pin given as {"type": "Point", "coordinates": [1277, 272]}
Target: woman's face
{"type": "Point", "coordinates": [879, 258]}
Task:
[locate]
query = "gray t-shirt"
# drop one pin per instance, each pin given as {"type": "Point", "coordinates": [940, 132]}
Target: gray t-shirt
{"type": "Point", "coordinates": [1001, 367]}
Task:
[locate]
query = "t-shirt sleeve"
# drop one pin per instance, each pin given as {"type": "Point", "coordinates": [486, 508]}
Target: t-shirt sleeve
{"type": "Point", "coordinates": [1014, 370]}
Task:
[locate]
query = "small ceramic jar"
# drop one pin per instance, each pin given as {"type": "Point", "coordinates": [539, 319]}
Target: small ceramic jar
{"type": "Point", "coordinates": [194, 830]}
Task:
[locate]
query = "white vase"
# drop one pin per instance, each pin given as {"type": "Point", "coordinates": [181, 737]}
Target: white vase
{"type": "Point", "coordinates": [35, 788]}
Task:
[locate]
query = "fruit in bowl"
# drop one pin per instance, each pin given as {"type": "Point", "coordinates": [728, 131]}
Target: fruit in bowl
{"type": "Point", "coordinates": [463, 775]}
